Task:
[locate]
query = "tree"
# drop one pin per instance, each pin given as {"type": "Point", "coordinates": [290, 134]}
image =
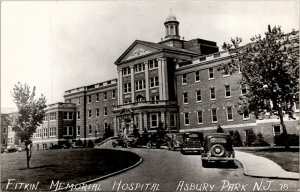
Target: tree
{"type": "Point", "coordinates": [269, 67]}
{"type": "Point", "coordinates": [30, 114]}
{"type": "Point", "coordinates": [237, 141]}
{"type": "Point", "coordinates": [250, 137]}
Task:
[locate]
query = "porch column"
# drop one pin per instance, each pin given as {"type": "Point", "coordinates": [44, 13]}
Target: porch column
{"type": "Point", "coordinates": [115, 126]}
{"type": "Point", "coordinates": [141, 127]}
{"type": "Point", "coordinates": [168, 121]}
{"type": "Point", "coordinates": [160, 79]}
{"type": "Point", "coordinates": [165, 75]}
{"type": "Point", "coordinates": [145, 121]}
{"type": "Point", "coordinates": [147, 80]}
{"type": "Point", "coordinates": [120, 87]}
{"type": "Point", "coordinates": [162, 116]}
{"type": "Point", "coordinates": [132, 84]}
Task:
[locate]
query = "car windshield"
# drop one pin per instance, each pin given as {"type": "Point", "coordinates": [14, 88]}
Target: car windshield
{"type": "Point", "coordinates": [194, 135]}
{"type": "Point", "coordinates": [217, 140]}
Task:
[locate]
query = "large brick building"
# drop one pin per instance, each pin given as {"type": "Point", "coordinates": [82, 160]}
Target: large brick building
{"type": "Point", "coordinates": [174, 81]}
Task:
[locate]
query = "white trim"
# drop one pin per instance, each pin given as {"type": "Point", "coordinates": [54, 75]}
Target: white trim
{"type": "Point", "coordinates": [258, 121]}
{"type": "Point", "coordinates": [223, 126]}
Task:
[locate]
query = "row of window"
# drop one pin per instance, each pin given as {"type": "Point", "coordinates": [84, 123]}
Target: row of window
{"type": "Point", "coordinates": [152, 64]}
{"type": "Point", "coordinates": [141, 84]}
{"type": "Point", "coordinates": [155, 117]}
{"type": "Point", "coordinates": [97, 111]}
{"type": "Point", "coordinates": [97, 129]}
{"type": "Point", "coordinates": [44, 132]}
{"type": "Point", "coordinates": [212, 93]}
{"type": "Point", "coordinates": [214, 116]}
{"type": "Point", "coordinates": [211, 75]}
{"type": "Point", "coordinates": [52, 116]}
{"type": "Point", "coordinates": [89, 97]}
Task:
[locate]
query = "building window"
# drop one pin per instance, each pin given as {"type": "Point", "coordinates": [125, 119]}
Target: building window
{"type": "Point", "coordinates": [78, 101]}
{"type": "Point", "coordinates": [246, 115]}
{"type": "Point", "coordinates": [185, 98]}
{"type": "Point", "coordinates": [67, 131]}
{"type": "Point", "coordinates": [198, 96]}
{"type": "Point", "coordinates": [97, 112]}
{"type": "Point", "coordinates": [78, 115]}
{"type": "Point", "coordinates": [154, 120]}
{"type": "Point", "coordinates": [200, 117]}
{"type": "Point", "coordinates": [155, 98]}
{"type": "Point", "coordinates": [212, 93]}
{"type": "Point", "coordinates": [113, 95]}
{"type": "Point", "coordinates": [78, 130]}
{"type": "Point", "coordinates": [105, 110]}
{"type": "Point", "coordinates": [139, 67]}
{"type": "Point", "coordinates": [90, 113]}
{"type": "Point", "coordinates": [229, 114]}
{"type": "Point", "coordinates": [46, 117]}
{"type": "Point", "coordinates": [211, 73]}
{"type": "Point", "coordinates": [227, 91]}
{"type": "Point", "coordinates": [52, 116]}
{"type": "Point", "coordinates": [276, 130]}
{"type": "Point", "coordinates": [105, 95]}
{"type": "Point", "coordinates": [243, 89]}
{"type": "Point", "coordinates": [140, 85]}
{"type": "Point", "coordinates": [173, 120]}
{"type": "Point", "coordinates": [153, 64]}
{"type": "Point", "coordinates": [89, 98]}
{"type": "Point", "coordinates": [68, 116]}
{"type": "Point", "coordinates": [197, 76]}
{"type": "Point", "coordinates": [97, 97]}
{"type": "Point", "coordinates": [45, 130]}
{"type": "Point", "coordinates": [106, 126]}
{"type": "Point", "coordinates": [186, 119]}
{"type": "Point", "coordinates": [154, 82]}
{"type": "Point", "coordinates": [127, 87]}
{"type": "Point", "coordinates": [184, 79]}
{"type": "Point", "coordinates": [90, 129]}
{"type": "Point", "coordinates": [214, 116]}
{"type": "Point", "coordinates": [52, 131]}
{"type": "Point", "coordinates": [126, 71]}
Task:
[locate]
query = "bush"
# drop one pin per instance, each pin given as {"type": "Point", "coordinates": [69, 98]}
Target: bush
{"type": "Point", "coordinates": [259, 141]}
{"type": "Point", "coordinates": [90, 144]}
{"type": "Point", "coordinates": [293, 140]}
{"type": "Point", "coordinates": [236, 139]}
{"type": "Point", "coordinates": [250, 137]}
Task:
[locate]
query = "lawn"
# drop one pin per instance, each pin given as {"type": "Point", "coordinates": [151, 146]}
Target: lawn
{"type": "Point", "coordinates": [288, 160]}
{"type": "Point", "coordinates": [68, 166]}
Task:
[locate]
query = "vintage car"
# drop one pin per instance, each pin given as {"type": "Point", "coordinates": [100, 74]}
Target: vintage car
{"type": "Point", "coordinates": [192, 142]}
{"type": "Point", "coordinates": [216, 149]}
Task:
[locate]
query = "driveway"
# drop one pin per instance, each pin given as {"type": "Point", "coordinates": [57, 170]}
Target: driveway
{"type": "Point", "coordinates": [171, 171]}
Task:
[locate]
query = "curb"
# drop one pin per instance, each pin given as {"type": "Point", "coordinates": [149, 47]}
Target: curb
{"type": "Point", "coordinates": [269, 177]}
{"type": "Point", "coordinates": [108, 175]}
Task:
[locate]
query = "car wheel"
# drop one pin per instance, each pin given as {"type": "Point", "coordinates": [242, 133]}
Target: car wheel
{"type": "Point", "coordinates": [217, 150]}
{"type": "Point", "coordinates": [149, 145]}
{"type": "Point", "coordinates": [182, 152]}
{"type": "Point", "coordinates": [129, 145]}
{"type": "Point", "coordinates": [114, 145]}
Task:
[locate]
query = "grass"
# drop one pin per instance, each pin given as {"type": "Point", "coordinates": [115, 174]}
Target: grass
{"type": "Point", "coordinates": [288, 160]}
{"type": "Point", "coordinates": [67, 166]}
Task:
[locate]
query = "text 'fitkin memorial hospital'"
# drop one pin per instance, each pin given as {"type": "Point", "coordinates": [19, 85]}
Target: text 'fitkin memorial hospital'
{"type": "Point", "coordinates": [175, 81]}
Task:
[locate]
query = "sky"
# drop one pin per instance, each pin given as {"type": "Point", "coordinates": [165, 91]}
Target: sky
{"type": "Point", "coordinates": [61, 45]}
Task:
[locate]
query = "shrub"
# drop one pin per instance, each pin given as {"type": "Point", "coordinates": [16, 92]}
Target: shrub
{"type": "Point", "coordinates": [259, 141]}
{"type": "Point", "coordinates": [237, 141]}
{"type": "Point", "coordinates": [250, 137]}
{"type": "Point", "coordinates": [90, 144]}
{"type": "Point", "coordinates": [293, 140]}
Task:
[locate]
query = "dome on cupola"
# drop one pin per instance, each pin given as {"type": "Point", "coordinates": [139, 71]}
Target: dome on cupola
{"type": "Point", "coordinates": [171, 17]}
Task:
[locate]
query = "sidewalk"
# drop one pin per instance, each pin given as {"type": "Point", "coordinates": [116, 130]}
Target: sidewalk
{"type": "Point", "coordinates": [257, 166]}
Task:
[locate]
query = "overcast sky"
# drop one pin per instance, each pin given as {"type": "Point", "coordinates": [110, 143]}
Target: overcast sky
{"type": "Point", "coordinates": [61, 45]}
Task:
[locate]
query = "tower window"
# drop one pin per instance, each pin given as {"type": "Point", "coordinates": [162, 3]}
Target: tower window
{"type": "Point", "coordinates": [214, 116]}
{"type": "Point", "coordinates": [212, 93]}
{"type": "Point", "coordinates": [197, 76]}
{"type": "Point", "coordinates": [227, 91]}
{"type": "Point", "coordinates": [211, 73]}
{"type": "Point", "coordinates": [198, 96]}
{"type": "Point", "coordinates": [185, 97]}
{"type": "Point", "coordinates": [200, 118]}
{"type": "Point", "coordinates": [183, 79]}
{"type": "Point", "coordinates": [186, 119]}
{"type": "Point", "coordinates": [229, 114]}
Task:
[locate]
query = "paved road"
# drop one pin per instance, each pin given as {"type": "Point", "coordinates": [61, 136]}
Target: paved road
{"type": "Point", "coordinates": [171, 170]}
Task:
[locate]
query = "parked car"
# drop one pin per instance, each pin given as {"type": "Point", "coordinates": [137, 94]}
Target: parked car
{"type": "Point", "coordinates": [176, 141]}
{"type": "Point", "coordinates": [12, 149]}
{"type": "Point", "coordinates": [192, 142]}
{"type": "Point", "coordinates": [215, 149]}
